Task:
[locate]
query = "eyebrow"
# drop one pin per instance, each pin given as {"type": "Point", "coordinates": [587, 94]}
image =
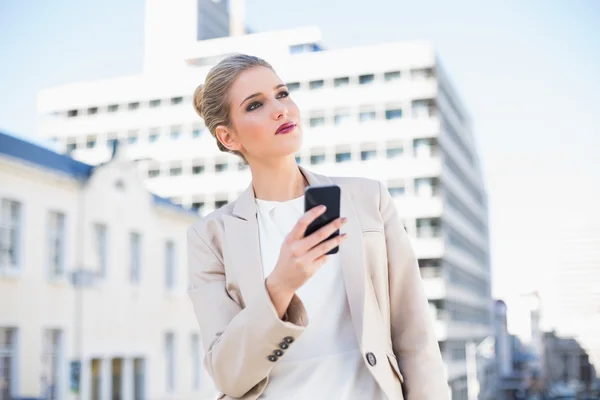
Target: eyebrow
{"type": "Point", "coordinates": [258, 94]}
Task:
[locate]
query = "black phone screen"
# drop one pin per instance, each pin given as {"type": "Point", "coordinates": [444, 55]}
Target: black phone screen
{"type": "Point", "coordinates": [329, 196]}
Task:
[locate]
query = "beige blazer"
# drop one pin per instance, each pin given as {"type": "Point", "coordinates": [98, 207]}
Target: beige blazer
{"type": "Point", "coordinates": [240, 328]}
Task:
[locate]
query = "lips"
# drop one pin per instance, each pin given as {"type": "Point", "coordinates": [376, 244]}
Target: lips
{"type": "Point", "coordinates": [285, 128]}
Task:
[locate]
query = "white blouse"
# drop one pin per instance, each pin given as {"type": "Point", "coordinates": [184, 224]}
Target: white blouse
{"type": "Point", "coordinates": [325, 362]}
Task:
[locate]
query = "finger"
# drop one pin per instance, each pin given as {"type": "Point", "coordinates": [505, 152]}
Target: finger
{"type": "Point", "coordinates": [308, 217]}
{"type": "Point", "coordinates": [320, 235]}
{"type": "Point", "coordinates": [324, 247]}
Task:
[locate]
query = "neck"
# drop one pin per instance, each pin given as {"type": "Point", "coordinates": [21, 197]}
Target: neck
{"type": "Point", "coordinates": [277, 181]}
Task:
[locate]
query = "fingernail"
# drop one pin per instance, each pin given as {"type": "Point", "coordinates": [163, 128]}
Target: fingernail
{"type": "Point", "coordinates": [344, 220]}
{"type": "Point", "coordinates": [322, 208]}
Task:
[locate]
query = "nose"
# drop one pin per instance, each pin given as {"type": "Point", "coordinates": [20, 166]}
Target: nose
{"type": "Point", "coordinates": [281, 111]}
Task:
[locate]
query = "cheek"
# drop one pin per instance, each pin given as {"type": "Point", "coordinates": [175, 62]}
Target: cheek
{"type": "Point", "coordinates": [253, 128]}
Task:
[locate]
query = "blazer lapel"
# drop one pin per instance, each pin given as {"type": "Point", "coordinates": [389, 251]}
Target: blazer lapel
{"type": "Point", "coordinates": [241, 233]}
{"type": "Point", "coordinates": [351, 255]}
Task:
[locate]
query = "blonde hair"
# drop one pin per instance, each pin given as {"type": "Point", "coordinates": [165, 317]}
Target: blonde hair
{"type": "Point", "coordinates": [211, 100]}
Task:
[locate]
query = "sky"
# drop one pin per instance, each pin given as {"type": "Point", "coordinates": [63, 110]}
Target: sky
{"type": "Point", "coordinates": [528, 72]}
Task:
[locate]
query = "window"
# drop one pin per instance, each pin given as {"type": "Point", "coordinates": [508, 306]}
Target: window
{"type": "Point", "coordinates": [391, 76]}
{"type": "Point", "coordinates": [220, 167]}
{"type": "Point", "coordinates": [133, 106]}
{"type": "Point", "coordinates": [170, 361]}
{"type": "Point", "coordinates": [175, 132]}
{"type": "Point", "coordinates": [313, 85]}
{"type": "Point", "coordinates": [343, 157]}
{"type": "Point", "coordinates": [153, 137]}
{"type": "Point", "coordinates": [10, 235]}
{"type": "Point", "coordinates": [422, 73]}
{"type": "Point", "coordinates": [396, 191]}
{"type": "Point", "coordinates": [293, 86]}
{"type": "Point", "coordinates": [220, 203]}
{"type": "Point", "coordinates": [366, 79]}
{"type": "Point", "coordinates": [176, 100]}
{"type": "Point", "coordinates": [298, 159]}
{"type": "Point", "coordinates": [92, 110]}
{"type": "Point", "coordinates": [196, 361]}
{"type": "Point", "coordinates": [423, 108]}
{"type": "Point", "coordinates": [342, 117]}
{"type": "Point", "coordinates": [365, 116]}
{"type": "Point", "coordinates": [135, 249]}
{"type": "Point", "coordinates": [51, 364]}
{"type": "Point", "coordinates": [170, 264]}
{"type": "Point", "coordinates": [426, 187]}
{"type": "Point", "coordinates": [132, 137]}
{"type": "Point", "coordinates": [153, 173]}
{"type": "Point", "coordinates": [394, 113]}
{"type": "Point", "coordinates": [101, 248]}
{"type": "Point", "coordinates": [110, 143]}
{"type": "Point", "coordinates": [113, 108]}
{"type": "Point", "coordinates": [317, 159]}
{"type": "Point", "coordinates": [242, 166]}
{"type": "Point", "coordinates": [428, 227]}
{"type": "Point", "coordinates": [197, 169]}
{"type": "Point", "coordinates": [198, 206]}
{"type": "Point", "coordinates": [368, 155]}
{"type": "Point", "coordinates": [72, 113]}
{"type": "Point", "coordinates": [343, 81]}
{"type": "Point", "coordinates": [56, 243]}
{"type": "Point", "coordinates": [8, 363]}
{"type": "Point", "coordinates": [394, 152]}
{"type": "Point", "coordinates": [175, 171]}
{"type": "Point", "coordinates": [196, 132]}
{"type": "Point", "coordinates": [154, 103]}
{"type": "Point", "coordinates": [90, 144]}
{"type": "Point", "coordinates": [316, 121]}
{"type": "Point", "coordinates": [71, 147]}
{"type": "Point", "coordinates": [423, 147]}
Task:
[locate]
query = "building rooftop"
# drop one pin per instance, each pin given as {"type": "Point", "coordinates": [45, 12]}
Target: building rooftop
{"type": "Point", "coordinates": [31, 153]}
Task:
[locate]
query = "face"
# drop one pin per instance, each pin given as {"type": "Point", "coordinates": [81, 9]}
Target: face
{"type": "Point", "coordinates": [265, 120]}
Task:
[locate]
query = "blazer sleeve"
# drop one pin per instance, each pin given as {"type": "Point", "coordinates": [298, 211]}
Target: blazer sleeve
{"type": "Point", "coordinates": [413, 335]}
{"type": "Point", "coordinates": [237, 341]}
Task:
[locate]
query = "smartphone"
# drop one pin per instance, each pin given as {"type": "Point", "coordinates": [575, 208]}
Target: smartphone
{"type": "Point", "coordinates": [329, 196]}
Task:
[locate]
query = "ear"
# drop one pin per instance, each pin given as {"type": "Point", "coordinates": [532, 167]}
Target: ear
{"type": "Point", "coordinates": [227, 138]}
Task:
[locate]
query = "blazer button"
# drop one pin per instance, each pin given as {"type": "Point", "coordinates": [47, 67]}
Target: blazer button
{"type": "Point", "coordinates": [272, 358]}
{"type": "Point", "coordinates": [283, 345]}
{"type": "Point", "coordinates": [288, 339]}
{"type": "Point", "coordinates": [371, 359]}
{"type": "Point", "coordinates": [278, 353]}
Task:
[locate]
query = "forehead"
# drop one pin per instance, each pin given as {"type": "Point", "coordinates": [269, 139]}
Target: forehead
{"type": "Point", "coordinates": [253, 80]}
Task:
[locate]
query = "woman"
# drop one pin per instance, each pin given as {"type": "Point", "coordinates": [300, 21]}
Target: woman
{"type": "Point", "coordinates": [280, 319]}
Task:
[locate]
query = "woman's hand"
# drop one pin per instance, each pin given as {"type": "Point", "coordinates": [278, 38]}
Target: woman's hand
{"type": "Point", "coordinates": [300, 257]}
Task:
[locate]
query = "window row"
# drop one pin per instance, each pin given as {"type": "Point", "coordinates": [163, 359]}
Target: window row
{"type": "Point", "coordinates": [132, 137]}
{"type": "Point", "coordinates": [51, 359]}
{"type": "Point", "coordinates": [457, 239]}
{"type": "Point", "coordinates": [12, 237]}
{"type": "Point", "coordinates": [420, 109]}
{"type": "Point", "coordinates": [466, 180]}
{"type": "Point", "coordinates": [466, 212]}
{"type": "Point", "coordinates": [339, 82]}
{"type": "Point", "coordinates": [116, 107]}
{"type": "Point", "coordinates": [422, 148]}
{"type": "Point", "coordinates": [54, 356]}
{"type": "Point", "coordinates": [464, 313]}
{"type": "Point", "coordinates": [363, 79]}
{"type": "Point", "coordinates": [468, 281]}
{"type": "Point", "coordinates": [424, 187]}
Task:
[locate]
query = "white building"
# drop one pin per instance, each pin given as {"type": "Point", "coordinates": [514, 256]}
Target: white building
{"type": "Point", "coordinates": [92, 273]}
{"type": "Point", "coordinates": [387, 111]}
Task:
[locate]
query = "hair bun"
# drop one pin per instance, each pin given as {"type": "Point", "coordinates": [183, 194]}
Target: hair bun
{"type": "Point", "coordinates": [199, 100]}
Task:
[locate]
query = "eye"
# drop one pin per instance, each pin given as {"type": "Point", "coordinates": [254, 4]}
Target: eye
{"type": "Point", "coordinates": [253, 106]}
{"type": "Point", "coordinates": [282, 94]}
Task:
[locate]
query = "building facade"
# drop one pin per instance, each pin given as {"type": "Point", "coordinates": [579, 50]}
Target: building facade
{"type": "Point", "coordinates": [93, 300]}
{"type": "Point", "coordinates": [388, 112]}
